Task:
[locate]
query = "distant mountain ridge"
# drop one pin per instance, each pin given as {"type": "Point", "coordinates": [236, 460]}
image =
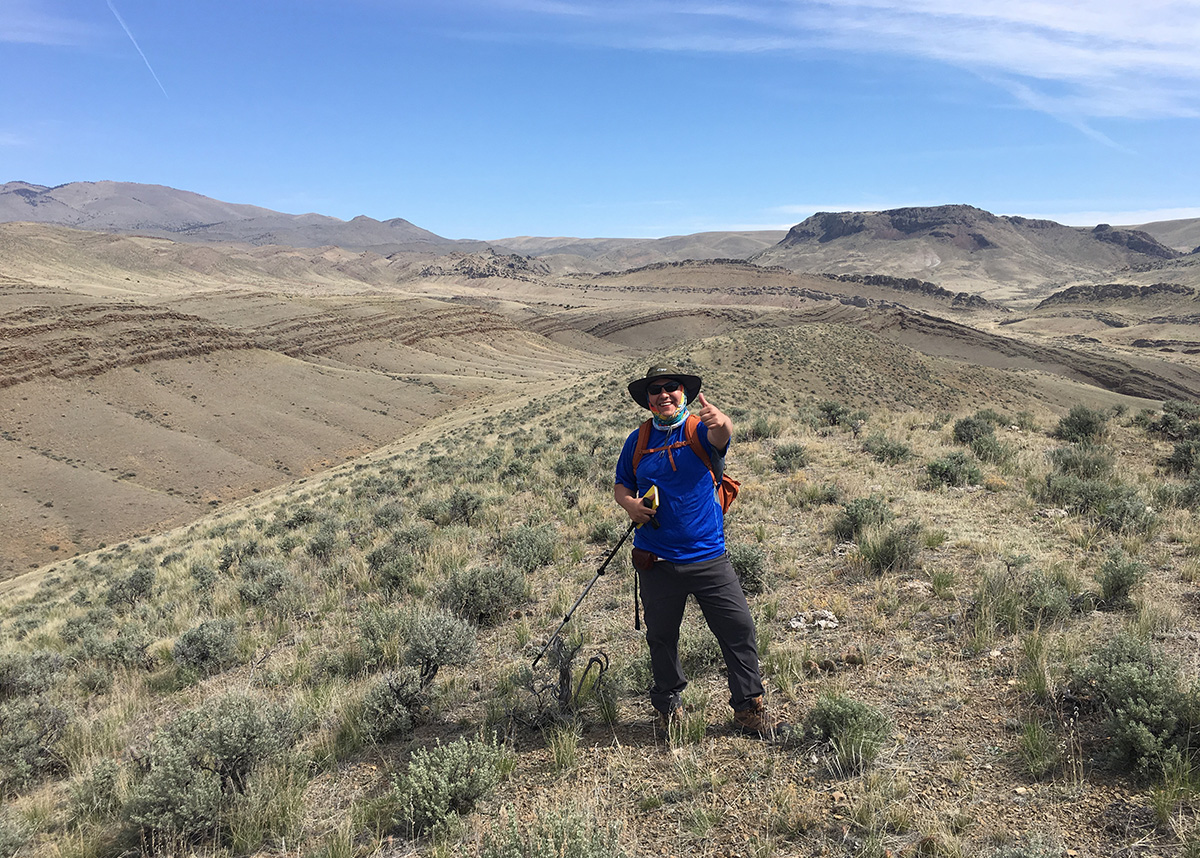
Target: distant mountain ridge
{"type": "Point", "coordinates": [958, 247]}
{"type": "Point", "coordinates": [128, 207]}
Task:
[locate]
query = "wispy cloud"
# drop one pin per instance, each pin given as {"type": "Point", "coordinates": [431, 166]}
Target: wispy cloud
{"type": "Point", "coordinates": [129, 33]}
{"type": "Point", "coordinates": [29, 22]}
{"type": "Point", "coordinates": [8, 139]}
{"type": "Point", "coordinates": [1076, 60]}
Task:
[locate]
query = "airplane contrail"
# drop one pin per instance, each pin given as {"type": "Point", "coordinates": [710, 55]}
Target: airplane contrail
{"type": "Point", "coordinates": [128, 33]}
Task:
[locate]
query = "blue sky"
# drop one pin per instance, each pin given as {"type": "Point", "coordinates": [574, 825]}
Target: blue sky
{"type": "Point", "coordinates": [631, 118]}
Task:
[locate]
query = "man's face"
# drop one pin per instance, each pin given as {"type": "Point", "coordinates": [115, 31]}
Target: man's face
{"type": "Point", "coordinates": [665, 396]}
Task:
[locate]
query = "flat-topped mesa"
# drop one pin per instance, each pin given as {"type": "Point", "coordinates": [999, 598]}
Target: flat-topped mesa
{"type": "Point", "coordinates": [1103, 292]}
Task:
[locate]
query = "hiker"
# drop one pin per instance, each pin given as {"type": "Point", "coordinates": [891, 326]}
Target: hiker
{"type": "Point", "coordinates": [679, 548]}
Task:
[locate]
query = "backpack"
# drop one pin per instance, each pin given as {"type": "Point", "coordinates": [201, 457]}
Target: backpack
{"type": "Point", "coordinates": [726, 486]}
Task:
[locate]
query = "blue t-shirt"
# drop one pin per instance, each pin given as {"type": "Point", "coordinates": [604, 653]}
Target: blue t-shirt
{"type": "Point", "coordinates": [691, 526]}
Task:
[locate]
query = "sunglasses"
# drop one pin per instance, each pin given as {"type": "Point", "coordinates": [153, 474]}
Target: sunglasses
{"type": "Point", "coordinates": [668, 386]}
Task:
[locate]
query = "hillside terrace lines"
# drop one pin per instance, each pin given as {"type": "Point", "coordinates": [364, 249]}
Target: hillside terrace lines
{"type": "Point", "coordinates": [81, 339]}
{"type": "Point", "coordinates": [325, 331]}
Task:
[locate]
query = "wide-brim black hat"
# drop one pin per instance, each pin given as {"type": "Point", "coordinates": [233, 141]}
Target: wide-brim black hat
{"type": "Point", "coordinates": [637, 387]}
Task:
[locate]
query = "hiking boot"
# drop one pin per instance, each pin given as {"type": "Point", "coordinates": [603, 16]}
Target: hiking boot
{"type": "Point", "coordinates": [753, 719]}
{"type": "Point", "coordinates": [673, 715]}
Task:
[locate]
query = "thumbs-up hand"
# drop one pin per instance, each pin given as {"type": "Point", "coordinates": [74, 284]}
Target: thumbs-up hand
{"type": "Point", "coordinates": [720, 427]}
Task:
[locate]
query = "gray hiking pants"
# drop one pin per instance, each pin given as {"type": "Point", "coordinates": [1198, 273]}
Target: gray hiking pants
{"type": "Point", "coordinates": [665, 587]}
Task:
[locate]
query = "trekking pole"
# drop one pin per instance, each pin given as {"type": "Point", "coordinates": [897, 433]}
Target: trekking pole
{"type": "Point", "coordinates": [586, 590]}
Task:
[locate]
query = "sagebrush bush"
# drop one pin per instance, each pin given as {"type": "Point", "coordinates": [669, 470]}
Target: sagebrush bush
{"type": "Point", "coordinates": [1086, 461]}
{"type": "Point", "coordinates": [854, 732]}
{"type": "Point", "coordinates": [1113, 505]}
{"type": "Point", "coordinates": [439, 639]}
{"type": "Point", "coordinates": [954, 470]}
{"type": "Point", "coordinates": [200, 762]}
{"type": "Point", "coordinates": [790, 457]}
{"type": "Point", "coordinates": [1185, 458]}
{"type": "Point", "coordinates": [392, 565]}
{"type": "Point", "coordinates": [388, 706]}
{"type": "Point", "coordinates": [559, 833]}
{"type": "Point", "coordinates": [750, 564]}
{"type": "Point", "coordinates": [891, 549]}
{"type": "Point", "coordinates": [1081, 425]}
{"type": "Point", "coordinates": [759, 429]}
{"type": "Point", "coordinates": [887, 451]}
{"type": "Point", "coordinates": [1154, 718]}
{"type": "Point", "coordinates": [263, 579]}
{"type": "Point", "coordinates": [859, 514]}
{"type": "Point", "coordinates": [31, 729]}
{"type": "Point", "coordinates": [208, 648]}
{"type": "Point", "coordinates": [97, 794]}
{"type": "Point", "coordinates": [25, 674]}
{"type": "Point", "coordinates": [573, 466]}
{"type": "Point", "coordinates": [1019, 598]}
{"type": "Point", "coordinates": [970, 429]}
{"type": "Point", "coordinates": [989, 448]}
{"type": "Point", "coordinates": [526, 548]}
{"type": "Point", "coordinates": [1117, 578]}
{"type": "Point", "coordinates": [125, 593]}
{"type": "Point", "coordinates": [483, 594]}
{"type": "Point", "coordinates": [442, 781]}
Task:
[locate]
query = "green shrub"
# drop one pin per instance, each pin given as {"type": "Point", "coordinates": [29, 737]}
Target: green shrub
{"type": "Point", "coordinates": [125, 593]}
{"type": "Point", "coordinates": [886, 451]}
{"type": "Point", "coordinates": [389, 703]}
{"type": "Point", "coordinates": [1081, 425]}
{"type": "Point", "coordinates": [604, 533]}
{"type": "Point", "coordinates": [439, 639]}
{"type": "Point", "coordinates": [526, 548]}
{"type": "Point", "coordinates": [441, 782]}
{"type": "Point", "coordinates": [989, 448]}
{"type": "Point", "coordinates": [97, 795]}
{"type": "Point", "coordinates": [204, 577]}
{"type": "Point", "coordinates": [954, 470]}
{"type": "Point", "coordinates": [392, 565]}
{"type": "Point", "coordinates": [1019, 598]}
{"type": "Point", "coordinates": [814, 494]}
{"type": "Point", "coordinates": [859, 514]}
{"type": "Point", "coordinates": [1185, 458]}
{"type": "Point", "coordinates": [1086, 461]}
{"type": "Point", "coordinates": [199, 763]}
{"type": "Point", "coordinates": [25, 674]}
{"type": "Point", "coordinates": [1117, 577]}
{"type": "Point", "coordinates": [891, 549]}
{"type": "Point", "coordinates": [30, 731]}
{"type": "Point", "coordinates": [389, 514]}
{"type": "Point", "coordinates": [560, 833]}
{"type": "Point", "coordinates": [382, 635]}
{"type": "Point", "coordinates": [750, 564]}
{"type": "Point", "coordinates": [790, 457]}
{"type": "Point", "coordinates": [852, 731]}
{"type": "Point", "coordinates": [1153, 719]}
{"type": "Point", "coordinates": [1113, 505]}
{"type": "Point", "coordinates": [484, 594]}
{"type": "Point", "coordinates": [970, 429]}
{"type": "Point", "coordinates": [759, 429]}
{"type": "Point", "coordinates": [324, 543]}
{"type": "Point", "coordinates": [573, 466]}
{"type": "Point", "coordinates": [263, 579]}
{"type": "Point", "coordinates": [14, 833]}
{"type": "Point", "coordinates": [208, 648]}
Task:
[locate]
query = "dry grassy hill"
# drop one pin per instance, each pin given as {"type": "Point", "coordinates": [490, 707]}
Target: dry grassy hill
{"type": "Point", "coordinates": [932, 616]}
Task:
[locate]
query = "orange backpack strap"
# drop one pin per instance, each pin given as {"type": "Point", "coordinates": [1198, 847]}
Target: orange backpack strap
{"type": "Point", "coordinates": [693, 439]}
{"type": "Point", "coordinates": [643, 441]}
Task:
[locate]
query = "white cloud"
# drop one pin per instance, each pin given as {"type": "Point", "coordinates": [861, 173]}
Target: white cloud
{"type": "Point", "coordinates": [1075, 60]}
{"type": "Point", "coordinates": [31, 22]}
{"type": "Point", "coordinates": [7, 138]}
{"type": "Point", "coordinates": [1117, 218]}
